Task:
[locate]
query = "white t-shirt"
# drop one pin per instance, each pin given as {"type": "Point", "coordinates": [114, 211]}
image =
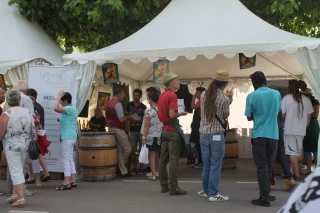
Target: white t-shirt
{"type": "Point", "coordinates": [296, 115]}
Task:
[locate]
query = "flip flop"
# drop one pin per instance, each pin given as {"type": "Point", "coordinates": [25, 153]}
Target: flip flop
{"type": "Point", "coordinates": [64, 187]}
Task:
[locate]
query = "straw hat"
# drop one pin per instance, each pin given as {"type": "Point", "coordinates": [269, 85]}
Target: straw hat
{"type": "Point", "coordinates": [169, 76]}
{"type": "Point", "coordinates": [222, 75]}
{"type": "Point", "coordinates": [306, 92]}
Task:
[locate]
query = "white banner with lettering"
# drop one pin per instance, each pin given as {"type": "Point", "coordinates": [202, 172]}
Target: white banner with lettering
{"type": "Point", "coordinates": [48, 80]}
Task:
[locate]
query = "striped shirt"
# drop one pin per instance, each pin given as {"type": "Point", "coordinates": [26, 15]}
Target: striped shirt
{"type": "Point", "coordinates": [222, 106]}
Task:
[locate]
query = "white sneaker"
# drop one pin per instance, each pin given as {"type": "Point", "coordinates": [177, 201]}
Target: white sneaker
{"type": "Point", "coordinates": [218, 198]}
{"type": "Point", "coordinates": [27, 192]}
{"type": "Point", "coordinates": [152, 177]}
{"type": "Point", "coordinates": [150, 174]}
{"type": "Point", "coordinates": [202, 194]}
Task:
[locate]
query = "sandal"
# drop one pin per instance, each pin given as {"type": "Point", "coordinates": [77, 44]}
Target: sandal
{"type": "Point", "coordinates": [19, 203]}
{"type": "Point", "coordinates": [74, 184]}
{"type": "Point", "coordinates": [39, 184]}
{"type": "Point", "coordinates": [12, 199]}
{"type": "Point", "coordinates": [64, 187]}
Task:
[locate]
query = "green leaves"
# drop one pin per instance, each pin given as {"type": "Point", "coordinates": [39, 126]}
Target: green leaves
{"type": "Point", "coordinates": [93, 24]}
{"type": "Point", "coordinates": [296, 16]}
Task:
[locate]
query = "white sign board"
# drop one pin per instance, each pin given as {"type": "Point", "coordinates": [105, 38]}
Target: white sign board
{"type": "Point", "coordinates": [180, 105]}
{"type": "Point", "coordinates": [48, 80]}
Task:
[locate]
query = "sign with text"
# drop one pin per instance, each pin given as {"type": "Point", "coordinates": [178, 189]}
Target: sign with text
{"type": "Point", "coordinates": [47, 81]}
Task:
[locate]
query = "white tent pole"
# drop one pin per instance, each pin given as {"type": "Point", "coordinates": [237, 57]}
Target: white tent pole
{"type": "Point", "coordinates": [279, 67]}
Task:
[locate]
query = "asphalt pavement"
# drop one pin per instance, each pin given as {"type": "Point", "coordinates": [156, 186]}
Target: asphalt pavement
{"type": "Point", "coordinates": [137, 194]}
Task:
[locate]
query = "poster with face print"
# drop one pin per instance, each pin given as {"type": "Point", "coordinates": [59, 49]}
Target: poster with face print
{"type": "Point", "coordinates": [2, 82]}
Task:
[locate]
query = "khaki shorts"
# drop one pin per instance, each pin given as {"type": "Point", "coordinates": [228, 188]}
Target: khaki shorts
{"type": "Point", "coordinates": [293, 144]}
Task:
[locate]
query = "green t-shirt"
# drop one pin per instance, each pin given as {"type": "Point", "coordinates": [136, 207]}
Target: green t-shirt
{"type": "Point", "coordinates": [68, 123]}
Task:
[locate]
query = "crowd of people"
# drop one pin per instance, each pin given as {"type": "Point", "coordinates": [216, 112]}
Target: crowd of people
{"type": "Point", "coordinates": [289, 122]}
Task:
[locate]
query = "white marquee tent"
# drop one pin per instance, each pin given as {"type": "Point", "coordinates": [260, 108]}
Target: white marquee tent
{"type": "Point", "coordinates": [21, 42]}
{"type": "Point", "coordinates": [200, 36]}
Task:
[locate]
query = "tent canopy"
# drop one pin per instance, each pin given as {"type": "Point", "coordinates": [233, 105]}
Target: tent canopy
{"type": "Point", "coordinates": [22, 41]}
{"type": "Point", "coordinates": [200, 36]}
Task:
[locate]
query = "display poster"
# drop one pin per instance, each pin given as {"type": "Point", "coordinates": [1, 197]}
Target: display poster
{"type": "Point", "coordinates": [247, 62]}
{"type": "Point", "coordinates": [110, 73]}
{"type": "Point", "coordinates": [160, 69]}
{"type": "Point", "coordinates": [47, 81]}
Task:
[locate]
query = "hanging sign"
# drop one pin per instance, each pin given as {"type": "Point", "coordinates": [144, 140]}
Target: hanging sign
{"type": "Point", "coordinates": [160, 69]}
{"type": "Point", "coordinates": [2, 83]}
{"type": "Point", "coordinates": [246, 62]}
{"type": "Point", "coordinates": [110, 73]}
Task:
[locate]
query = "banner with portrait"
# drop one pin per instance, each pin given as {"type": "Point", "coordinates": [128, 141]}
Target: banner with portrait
{"type": "Point", "coordinates": [246, 62]}
{"type": "Point", "coordinates": [110, 73]}
{"type": "Point", "coordinates": [2, 83]}
{"type": "Point", "coordinates": [160, 69]}
{"type": "Point", "coordinates": [103, 99]}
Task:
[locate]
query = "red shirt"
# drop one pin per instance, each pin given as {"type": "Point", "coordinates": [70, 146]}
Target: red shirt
{"type": "Point", "coordinates": [168, 100]}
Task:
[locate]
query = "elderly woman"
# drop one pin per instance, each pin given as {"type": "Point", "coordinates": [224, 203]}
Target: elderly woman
{"type": "Point", "coordinates": [17, 129]}
{"type": "Point", "coordinates": [68, 135]}
{"type": "Point", "coordinates": [151, 132]}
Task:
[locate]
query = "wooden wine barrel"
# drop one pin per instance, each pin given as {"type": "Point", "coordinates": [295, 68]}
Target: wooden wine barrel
{"type": "Point", "coordinates": [3, 166]}
{"type": "Point", "coordinates": [97, 156]}
{"type": "Point", "coordinates": [231, 150]}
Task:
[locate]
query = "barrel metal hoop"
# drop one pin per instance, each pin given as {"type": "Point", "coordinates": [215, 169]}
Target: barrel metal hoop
{"type": "Point", "coordinates": [109, 167]}
{"type": "Point", "coordinates": [230, 142]}
{"type": "Point", "coordinates": [97, 147]}
{"type": "Point", "coordinates": [97, 178]}
{"type": "Point", "coordinates": [233, 157]}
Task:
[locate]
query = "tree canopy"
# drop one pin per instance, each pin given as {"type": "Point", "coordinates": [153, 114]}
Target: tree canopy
{"type": "Point", "coordinates": [93, 24]}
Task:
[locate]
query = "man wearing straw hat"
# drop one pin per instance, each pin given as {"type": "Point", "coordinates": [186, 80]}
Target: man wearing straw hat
{"type": "Point", "coordinates": [173, 145]}
{"type": "Point", "coordinates": [214, 108]}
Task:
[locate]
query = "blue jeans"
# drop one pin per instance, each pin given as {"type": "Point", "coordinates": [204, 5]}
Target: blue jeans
{"type": "Point", "coordinates": [212, 156]}
{"type": "Point", "coordinates": [281, 159]}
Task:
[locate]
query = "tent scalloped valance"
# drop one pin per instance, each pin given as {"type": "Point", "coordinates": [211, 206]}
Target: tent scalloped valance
{"type": "Point", "coordinates": [172, 56]}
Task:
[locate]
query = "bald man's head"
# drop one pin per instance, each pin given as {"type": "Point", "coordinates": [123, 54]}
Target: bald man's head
{"type": "Point", "coordinates": [2, 95]}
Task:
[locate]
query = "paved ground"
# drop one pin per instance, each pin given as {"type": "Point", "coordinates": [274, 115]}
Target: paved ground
{"type": "Point", "coordinates": [138, 195]}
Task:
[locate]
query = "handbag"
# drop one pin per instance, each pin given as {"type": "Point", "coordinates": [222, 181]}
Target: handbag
{"type": "Point", "coordinates": [33, 150]}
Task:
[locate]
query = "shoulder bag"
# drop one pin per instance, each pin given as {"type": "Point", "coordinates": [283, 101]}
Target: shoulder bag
{"type": "Point", "coordinates": [33, 150]}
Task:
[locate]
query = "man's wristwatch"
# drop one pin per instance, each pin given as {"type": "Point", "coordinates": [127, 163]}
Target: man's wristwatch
{"type": "Point", "coordinates": [143, 137]}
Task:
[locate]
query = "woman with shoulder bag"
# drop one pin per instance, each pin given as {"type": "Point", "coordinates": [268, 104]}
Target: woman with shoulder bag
{"type": "Point", "coordinates": [151, 132]}
{"type": "Point", "coordinates": [68, 135]}
{"type": "Point", "coordinates": [17, 131]}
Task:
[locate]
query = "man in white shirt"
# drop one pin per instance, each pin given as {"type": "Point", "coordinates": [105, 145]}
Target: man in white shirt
{"type": "Point", "coordinates": [27, 103]}
{"type": "Point", "coordinates": [297, 110]}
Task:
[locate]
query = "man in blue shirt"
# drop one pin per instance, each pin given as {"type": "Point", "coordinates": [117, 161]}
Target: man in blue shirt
{"type": "Point", "coordinates": [263, 106]}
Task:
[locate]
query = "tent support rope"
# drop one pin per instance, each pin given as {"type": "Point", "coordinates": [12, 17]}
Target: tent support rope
{"type": "Point", "coordinates": [294, 76]}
